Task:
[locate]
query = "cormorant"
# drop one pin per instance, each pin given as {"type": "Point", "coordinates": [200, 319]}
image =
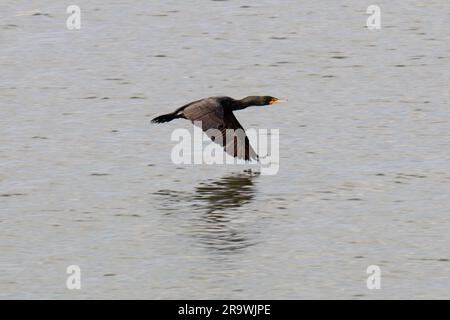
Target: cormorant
{"type": "Point", "coordinates": [217, 113]}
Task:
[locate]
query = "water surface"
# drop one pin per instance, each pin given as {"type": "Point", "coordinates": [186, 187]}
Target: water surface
{"type": "Point", "coordinates": [364, 150]}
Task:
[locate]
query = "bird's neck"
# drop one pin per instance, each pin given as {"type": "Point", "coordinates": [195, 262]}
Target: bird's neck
{"type": "Point", "coordinates": [242, 104]}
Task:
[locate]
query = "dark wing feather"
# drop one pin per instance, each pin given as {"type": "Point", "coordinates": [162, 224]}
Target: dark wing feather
{"type": "Point", "coordinates": [208, 111]}
{"type": "Point", "coordinates": [238, 144]}
{"type": "Point", "coordinates": [213, 116]}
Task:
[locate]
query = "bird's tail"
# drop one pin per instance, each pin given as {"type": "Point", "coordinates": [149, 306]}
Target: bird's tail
{"type": "Point", "coordinates": [166, 118]}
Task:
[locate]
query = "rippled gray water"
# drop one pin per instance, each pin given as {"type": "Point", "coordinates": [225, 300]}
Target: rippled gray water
{"type": "Point", "coordinates": [364, 141]}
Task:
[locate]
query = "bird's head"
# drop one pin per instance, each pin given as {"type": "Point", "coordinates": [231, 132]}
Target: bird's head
{"type": "Point", "coordinates": [261, 100]}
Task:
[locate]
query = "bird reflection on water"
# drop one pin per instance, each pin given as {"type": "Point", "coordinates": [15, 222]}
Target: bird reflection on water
{"type": "Point", "coordinates": [226, 193]}
{"type": "Point", "coordinates": [216, 218]}
{"type": "Point", "coordinates": [221, 225]}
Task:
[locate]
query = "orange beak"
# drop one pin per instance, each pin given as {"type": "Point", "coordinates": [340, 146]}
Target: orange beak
{"type": "Point", "coordinates": [276, 100]}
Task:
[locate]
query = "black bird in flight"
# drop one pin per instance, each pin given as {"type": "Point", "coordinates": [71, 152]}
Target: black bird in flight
{"type": "Point", "coordinates": [217, 113]}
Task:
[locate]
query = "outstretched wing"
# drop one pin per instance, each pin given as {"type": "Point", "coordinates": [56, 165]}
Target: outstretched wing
{"type": "Point", "coordinates": [215, 120]}
{"type": "Point", "coordinates": [236, 142]}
